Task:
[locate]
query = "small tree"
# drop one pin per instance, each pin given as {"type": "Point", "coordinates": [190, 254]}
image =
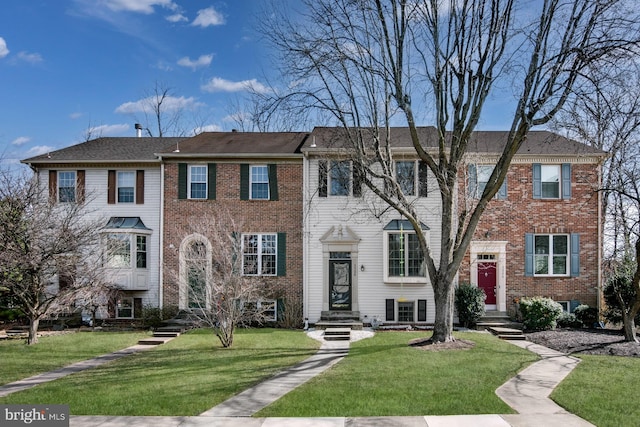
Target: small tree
{"type": "Point", "coordinates": [217, 292]}
{"type": "Point", "coordinates": [49, 250]}
{"type": "Point", "coordinates": [621, 297]}
{"type": "Point", "coordinates": [469, 304]}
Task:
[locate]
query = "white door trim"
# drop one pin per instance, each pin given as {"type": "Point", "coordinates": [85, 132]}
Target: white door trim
{"type": "Point", "coordinates": [499, 249]}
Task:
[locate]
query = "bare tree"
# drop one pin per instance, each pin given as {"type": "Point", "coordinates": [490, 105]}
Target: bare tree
{"type": "Point", "coordinates": [217, 292]}
{"type": "Point", "coordinates": [373, 64]}
{"type": "Point", "coordinates": [49, 249]}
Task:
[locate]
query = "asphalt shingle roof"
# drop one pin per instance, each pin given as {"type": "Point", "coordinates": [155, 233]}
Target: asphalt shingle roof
{"type": "Point", "coordinates": [109, 149]}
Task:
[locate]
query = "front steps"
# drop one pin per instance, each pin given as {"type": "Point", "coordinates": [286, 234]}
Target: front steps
{"type": "Point", "coordinates": [159, 337]}
{"type": "Point", "coordinates": [496, 319]}
{"type": "Point", "coordinates": [508, 334]}
{"type": "Point", "coordinates": [337, 334]}
{"type": "Point", "coordinates": [339, 319]}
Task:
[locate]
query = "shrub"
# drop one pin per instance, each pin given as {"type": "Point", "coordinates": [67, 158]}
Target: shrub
{"type": "Point", "coordinates": [539, 313]}
{"type": "Point", "coordinates": [469, 303]}
{"type": "Point", "coordinates": [568, 320]}
{"type": "Point", "coordinates": [587, 316]}
{"type": "Point", "coordinates": [152, 317]}
{"type": "Point", "coordinates": [623, 284]}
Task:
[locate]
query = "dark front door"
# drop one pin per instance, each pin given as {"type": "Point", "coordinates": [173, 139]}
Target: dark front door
{"type": "Point", "coordinates": [487, 280]}
{"type": "Point", "coordinates": [340, 284]}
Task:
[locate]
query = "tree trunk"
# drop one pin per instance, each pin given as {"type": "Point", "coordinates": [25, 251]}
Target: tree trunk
{"type": "Point", "coordinates": [629, 326]}
{"type": "Point", "coordinates": [33, 331]}
{"type": "Point", "coordinates": [443, 325]}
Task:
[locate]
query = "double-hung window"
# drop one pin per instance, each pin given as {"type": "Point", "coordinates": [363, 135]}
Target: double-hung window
{"type": "Point", "coordinates": [340, 178]}
{"type": "Point", "coordinates": [259, 254]}
{"type": "Point", "coordinates": [404, 259]}
{"type": "Point", "coordinates": [67, 186]}
{"type": "Point", "coordinates": [406, 177]}
{"type": "Point", "coordinates": [197, 181]}
{"type": "Point", "coordinates": [552, 181]}
{"type": "Point", "coordinates": [551, 256]}
{"type": "Point", "coordinates": [124, 308]}
{"type": "Point", "coordinates": [126, 182]}
{"type": "Point", "coordinates": [122, 248]}
{"type": "Point", "coordinates": [259, 182]}
{"type": "Point", "coordinates": [479, 178]}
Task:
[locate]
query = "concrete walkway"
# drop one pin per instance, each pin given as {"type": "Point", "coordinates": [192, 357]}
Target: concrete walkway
{"type": "Point", "coordinates": [527, 393]}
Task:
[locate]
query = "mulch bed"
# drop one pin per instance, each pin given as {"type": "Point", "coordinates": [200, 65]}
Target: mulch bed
{"type": "Point", "coordinates": [586, 341]}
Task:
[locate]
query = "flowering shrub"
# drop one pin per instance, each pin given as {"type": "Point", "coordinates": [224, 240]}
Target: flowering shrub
{"type": "Point", "coordinates": [539, 313]}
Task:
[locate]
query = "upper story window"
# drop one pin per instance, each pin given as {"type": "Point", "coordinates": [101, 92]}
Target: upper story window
{"type": "Point", "coordinates": [259, 183]}
{"type": "Point", "coordinates": [66, 186]}
{"type": "Point", "coordinates": [338, 178]}
{"type": "Point", "coordinates": [122, 248]}
{"type": "Point", "coordinates": [412, 175]}
{"type": "Point", "coordinates": [126, 182]}
{"type": "Point", "coordinates": [259, 254]}
{"type": "Point", "coordinates": [198, 181]}
{"type": "Point", "coordinates": [479, 177]}
{"type": "Point", "coordinates": [552, 181]}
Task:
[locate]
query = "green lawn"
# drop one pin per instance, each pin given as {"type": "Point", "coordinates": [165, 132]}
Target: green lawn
{"type": "Point", "coordinates": [186, 376]}
{"type": "Point", "coordinates": [382, 376]}
{"type": "Point", "coordinates": [603, 390]}
{"type": "Point", "coordinates": [21, 361]}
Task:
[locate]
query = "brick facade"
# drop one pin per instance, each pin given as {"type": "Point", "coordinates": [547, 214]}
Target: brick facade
{"type": "Point", "coordinates": [258, 216]}
{"type": "Point", "coordinates": [509, 220]}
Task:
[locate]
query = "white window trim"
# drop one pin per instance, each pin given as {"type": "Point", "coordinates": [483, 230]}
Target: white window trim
{"type": "Point", "coordinates": [133, 248]}
{"type": "Point", "coordinates": [273, 318]}
{"type": "Point", "coordinates": [542, 182]}
{"type": "Point", "coordinates": [183, 291]}
{"type": "Point", "coordinates": [406, 280]}
{"type": "Point", "coordinates": [330, 164]}
{"type": "Point", "coordinates": [75, 183]}
{"type": "Point", "coordinates": [550, 256]}
{"type": "Point", "coordinates": [118, 186]}
{"type": "Point", "coordinates": [260, 253]}
{"type": "Point", "coordinates": [189, 181]}
{"type": "Point", "coordinates": [260, 182]}
{"type": "Point", "coordinates": [413, 309]}
{"type": "Point", "coordinates": [130, 299]}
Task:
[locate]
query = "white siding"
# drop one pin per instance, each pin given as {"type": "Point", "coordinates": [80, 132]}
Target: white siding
{"type": "Point", "coordinates": [98, 209]}
{"type": "Point", "coordinates": [357, 214]}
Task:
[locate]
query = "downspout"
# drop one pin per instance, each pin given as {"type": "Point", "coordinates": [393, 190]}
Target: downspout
{"type": "Point", "coordinates": [600, 239]}
{"type": "Point", "coordinates": [161, 266]}
{"type": "Point", "coordinates": [305, 240]}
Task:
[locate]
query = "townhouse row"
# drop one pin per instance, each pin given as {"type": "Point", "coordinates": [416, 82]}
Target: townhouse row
{"type": "Point", "coordinates": [317, 239]}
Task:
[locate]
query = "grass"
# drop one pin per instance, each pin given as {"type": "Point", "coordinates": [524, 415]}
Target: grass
{"type": "Point", "coordinates": [21, 361]}
{"type": "Point", "coordinates": [186, 376]}
{"type": "Point", "coordinates": [382, 376]}
{"type": "Point", "coordinates": [602, 390]}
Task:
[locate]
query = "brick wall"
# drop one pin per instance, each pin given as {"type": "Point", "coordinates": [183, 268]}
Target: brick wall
{"type": "Point", "coordinates": [258, 216]}
{"type": "Point", "coordinates": [509, 220]}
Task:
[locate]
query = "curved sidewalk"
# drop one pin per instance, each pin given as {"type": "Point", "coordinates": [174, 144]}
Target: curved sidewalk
{"type": "Point", "coordinates": [527, 393]}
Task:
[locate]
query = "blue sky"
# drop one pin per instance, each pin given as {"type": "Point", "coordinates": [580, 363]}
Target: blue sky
{"type": "Point", "coordinates": [72, 67]}
{"type": "Point", "coordinates": [68, 66]}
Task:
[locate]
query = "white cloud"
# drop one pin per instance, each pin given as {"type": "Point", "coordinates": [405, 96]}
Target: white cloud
{"type": "Point", "coordinates": [31, 58]}
{"type": "Point", "coordinates": [217, 84]}
{"type": "Point", "coordinates": [20, 140]}
{"type": "Point", "coordinates": [177, 17]}
{"type": "Point", "coordinates": [202, 61]}
{"type": "Point", "coordinates": [39, 149]}
{"type": "Point", "coordinates": [207, 17]}
{"type": "Point", "coordinates": [3, 48]}
{"type": "Point", "coordinates": [170, 103]}
{"type": "Point", "coordinates": [207, 128]}
{"type": "Point", "coordinates": [108, 130]}
{"type": "Point", "coordinates": [139, 6]}
{"type": "Point", "coordinates": [75, 116]}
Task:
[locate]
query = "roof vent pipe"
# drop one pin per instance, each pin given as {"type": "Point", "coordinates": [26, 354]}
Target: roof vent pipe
{"type": "Point", "coordinates": [138, 127]}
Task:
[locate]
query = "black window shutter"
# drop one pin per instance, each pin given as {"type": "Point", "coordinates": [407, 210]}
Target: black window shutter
{"type": "Point", "coordinates": [358, 175]}
{"type": "Point", "coordinates": [182, 180]}
{"type": "Point", "coordinates": [322, 178]}
{"type": "Point", "coordinates": [211, 181]}
{"type": "Point", "coordinates": [273, 182]}
{"type": "Point", "coordinates": [282, 254]}
{"type": "Point", "coordinates": [280, 309]}
{"type": "Point", "coordinates": [423, 171]}
{"type": "Point", "coordinates": [390, 309]}
{"type": "Point", "coordinates": [422, 310]}
{"type": "Point", "coordinates": [244, 182]}
{"type": "Point", "coordinates": [139, 187]}
{"type": "Point", "coordinates": [137, 308]}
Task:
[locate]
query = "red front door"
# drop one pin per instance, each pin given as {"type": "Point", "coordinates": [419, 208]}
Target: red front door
{"type": "Point", "coordinates": [487, 280]}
